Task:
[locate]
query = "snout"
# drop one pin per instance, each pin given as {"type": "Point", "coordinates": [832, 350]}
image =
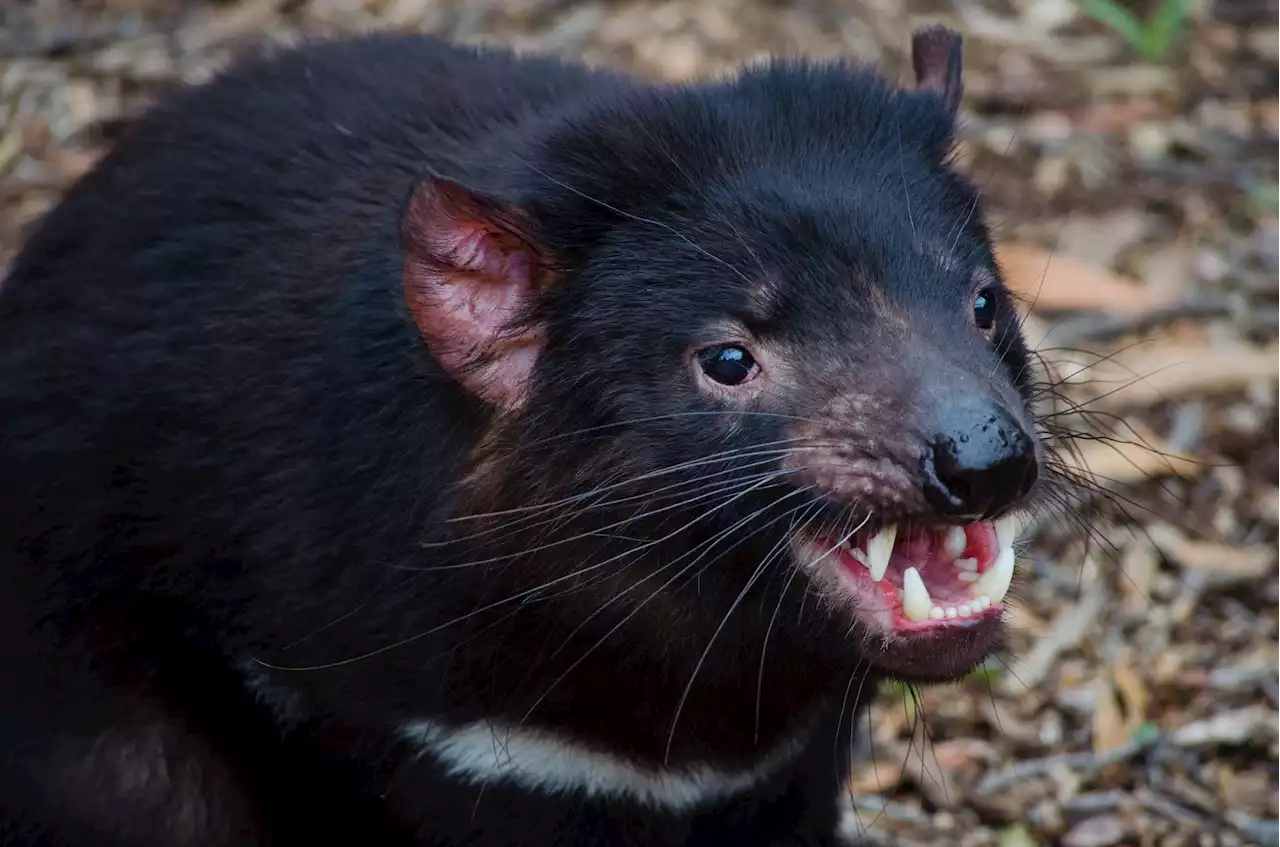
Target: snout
{"type": "Point", "coordinates": [980, 461]}
{"type": "Point", "coordinates": [920, 539]}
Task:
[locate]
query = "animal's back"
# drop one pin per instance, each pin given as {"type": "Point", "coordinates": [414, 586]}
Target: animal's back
{"type": "Point", "coordinates": [197, 296]}
{"type": "Point", "coordinates": [182, 341]}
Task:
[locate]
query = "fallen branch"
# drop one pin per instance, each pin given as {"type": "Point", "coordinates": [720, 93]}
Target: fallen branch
{"type": "Point", "coordinates": [1086, 762]}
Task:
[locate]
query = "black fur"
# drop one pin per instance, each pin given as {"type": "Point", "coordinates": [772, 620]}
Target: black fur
{"type": "Point", "coordinates": [224, 443]}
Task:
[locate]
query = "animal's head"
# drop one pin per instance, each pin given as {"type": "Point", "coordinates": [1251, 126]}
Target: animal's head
{"type": "Point", "coordinates": [733, 333]}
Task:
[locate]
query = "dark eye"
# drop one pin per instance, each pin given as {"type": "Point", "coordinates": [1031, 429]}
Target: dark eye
{"type": "Point", "coordinates": [727, 365]}
{"type": "Point", "coordinates": [984, 310]}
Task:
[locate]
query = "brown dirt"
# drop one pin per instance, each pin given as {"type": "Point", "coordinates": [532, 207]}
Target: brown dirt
{"type": "Point", "coordinates": [1137, 702]}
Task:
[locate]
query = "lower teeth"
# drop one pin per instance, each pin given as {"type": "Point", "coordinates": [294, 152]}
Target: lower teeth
{"type": "Point", "coordinates": [986, 589]}
{"type": "Point", "coordinates": [964, 610]}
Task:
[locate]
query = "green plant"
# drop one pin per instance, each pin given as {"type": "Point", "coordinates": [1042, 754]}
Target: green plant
{"type": "Point", "coordinates": [1265, 198]}
{"type": "Point", "coordinates": [987, 673]}
{"type": "Point", "coordinates": [1152, 38]}
{"type": "Point", "coordinates": [893, 689]}
{"type": "Point", "coordinates": [1146, 733]}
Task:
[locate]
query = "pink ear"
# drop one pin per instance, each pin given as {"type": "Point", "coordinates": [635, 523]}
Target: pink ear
{"type": "Point", "coordinates": [470, 274]}
{"type": "Point", "coordinates": [936, 57]}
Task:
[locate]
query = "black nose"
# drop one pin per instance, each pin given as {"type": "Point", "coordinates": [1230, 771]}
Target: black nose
{"type": "Point", "coordinates": [980, 462]}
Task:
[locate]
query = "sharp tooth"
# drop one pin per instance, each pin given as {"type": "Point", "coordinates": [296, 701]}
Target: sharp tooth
{"type": "Point", "coordinates": [1006, 531]}
{"type": "Point", "coordinates": [995, 581]}
{"type": "Point", "coordinates": [955, 542]}
{"type": "Point", "coordinates": [860, 557]}
{"type": "Point", "coordinates": [879, 550]}
{"type": "Point", "coordinates": [915, 596]}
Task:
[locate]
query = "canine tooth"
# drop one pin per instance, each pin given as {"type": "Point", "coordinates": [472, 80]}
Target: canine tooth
{"type": "Point", "coordinates": [995, 581]}
{"type": "Point", "coordinates": [955, 542]}
{"type": "Point", "coordinates": [968, 576]}
{"type": "Point", "coordinates": [915, 596]}
{"type": "Point", "coordinates": [966, 564]}
{"type": "Point", "coordinates": [936, 613]}
{"type": "Point", "coordinates": [879, 550]}
{"type": "Point", "coordinates": [1006, 531]}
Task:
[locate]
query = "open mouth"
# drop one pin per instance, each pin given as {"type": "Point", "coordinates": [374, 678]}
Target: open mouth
{"type": "Point", "coordinates": [909, 580]}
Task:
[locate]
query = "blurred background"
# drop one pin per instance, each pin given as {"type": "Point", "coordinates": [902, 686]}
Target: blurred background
{"type": "Point", "coordinates": [1128, 153]}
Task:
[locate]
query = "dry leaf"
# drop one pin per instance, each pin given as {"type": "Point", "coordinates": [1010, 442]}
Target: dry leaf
{"type": "Point", "coordinates": [879, 777]}
{"type": "Point", "coordinates": [10, 149]}
{"type": "Point", "coordinates": [1100, 831]}
{"type": "Point", "coordinates": [1235, 726]}
{"type": "Point", "coordinates": [1018, 617]}
{"type": "Point", "coordinates": [1065, 633]}
{"type": "Point", "coordinates": [964, 755]}
{"type": "Point", "coordinates": [1120, 709]}
{"type": "Point", "coordinates": [1056, 281]}
{"type": "Point", "coordinates": [1017, 835]}
{"type": "Point", "coordinates": [936, 783]}
{"type": "Point", "coordinates": [1114, 116]}
{"type": "Point", "coordinates": [1133, 694]}
{"type": "Point", "coordinates": [1169, 273]}
{"type": "Point", "coordinates": [1225, 562]}
{"type": "Point", "coordinates": [1108, 721]}
{"type": "Point", "coordinates": [68, 165]}
{"type": "Point", "coordinates": [1140, 457]}
{"type": "Point", "coordinates": [1139, 567]}
{"type": "Point", "coordinates": [1162, 372]}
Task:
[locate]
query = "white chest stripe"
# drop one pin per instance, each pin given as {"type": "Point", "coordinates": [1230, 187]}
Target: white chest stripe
{"type": "Point", "coordinates": [485, 753]}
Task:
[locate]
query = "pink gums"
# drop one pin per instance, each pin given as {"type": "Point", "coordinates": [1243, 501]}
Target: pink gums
{"type": "Point", "coordinates": [922, 548]}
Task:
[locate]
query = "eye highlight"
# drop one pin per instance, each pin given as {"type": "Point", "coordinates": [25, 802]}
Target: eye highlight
{"type": "Point", "coordinates": [984, 310]}
{"type": "Point", "coordinates": [727, 364]}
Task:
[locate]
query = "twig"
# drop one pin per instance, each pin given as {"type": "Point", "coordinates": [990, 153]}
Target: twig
{"type": "Point", "coordinates": [1093, 328]}
{"type": "Point", "coordinates": [1088, 762]}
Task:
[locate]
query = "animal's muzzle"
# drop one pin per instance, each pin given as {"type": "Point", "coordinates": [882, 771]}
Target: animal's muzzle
{"type": "Point", "coordinates": [979, 463]}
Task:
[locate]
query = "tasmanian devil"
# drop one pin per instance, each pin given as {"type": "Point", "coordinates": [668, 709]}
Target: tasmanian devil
{"type": "Point", "coordinates": [414, 444]}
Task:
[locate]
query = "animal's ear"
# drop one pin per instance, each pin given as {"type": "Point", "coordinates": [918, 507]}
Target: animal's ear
{"type": "Point", "coordinates": [471, 276]}
{"type": "Point", "coordinates": [936, 59]}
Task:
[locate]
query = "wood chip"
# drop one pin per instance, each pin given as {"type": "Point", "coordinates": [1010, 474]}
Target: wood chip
{"type": "Point", "coordinates": [1102, 831]}
{"type": "Point", "coordinates": [1046, 281]}
{"type": "Point", "coordinates": [1108, 721]}
{"type": "Point", "coordinates": [1115, 464]}
{"type": "Point", "coordinates": [1236, 726]}
{"type": "Point", "coordinates": [1165, 372]}
{"type": "Point", "coordinates": [1221, 563]}
{"type": "Point", "coordinates": [1065, 633]}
